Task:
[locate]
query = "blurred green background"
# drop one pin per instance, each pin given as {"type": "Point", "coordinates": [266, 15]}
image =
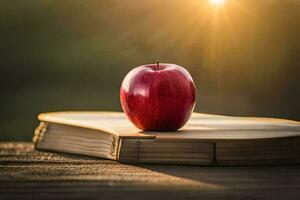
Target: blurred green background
{"type": "Point", "coordinates": [56, 55]}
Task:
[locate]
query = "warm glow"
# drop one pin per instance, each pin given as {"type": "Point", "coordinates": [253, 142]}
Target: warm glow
{"type": "Point", "coordinates": [217, 2]}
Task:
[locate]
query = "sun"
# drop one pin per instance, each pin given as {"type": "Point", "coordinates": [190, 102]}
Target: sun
{"type": "Point", "coordinates": [217, 2]}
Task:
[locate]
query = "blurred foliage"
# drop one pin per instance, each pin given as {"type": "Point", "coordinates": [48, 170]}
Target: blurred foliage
{"type": "Point", "coordinates": [73, 54]}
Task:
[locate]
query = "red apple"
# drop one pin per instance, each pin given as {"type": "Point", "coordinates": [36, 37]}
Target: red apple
{"type": "Point", "coordinates": [158, 97]}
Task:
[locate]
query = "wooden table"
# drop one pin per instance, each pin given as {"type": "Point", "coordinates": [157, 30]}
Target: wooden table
{"type": "Point", "coordinates": [26, 173]}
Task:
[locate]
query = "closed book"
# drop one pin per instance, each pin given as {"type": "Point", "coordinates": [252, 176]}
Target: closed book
{"type": "Point", "coordinates": [205, 140]}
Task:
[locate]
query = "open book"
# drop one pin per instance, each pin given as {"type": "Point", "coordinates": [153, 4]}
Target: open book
{"type": "Point", "coordinates": [204, 140]}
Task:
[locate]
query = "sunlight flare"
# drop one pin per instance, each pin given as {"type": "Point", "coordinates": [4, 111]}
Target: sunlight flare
{"type": "Point", "coordinates": [217, 2]}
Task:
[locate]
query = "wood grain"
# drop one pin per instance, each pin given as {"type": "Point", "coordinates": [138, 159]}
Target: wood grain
{"type": "Point", "coordinates": [29, 174]}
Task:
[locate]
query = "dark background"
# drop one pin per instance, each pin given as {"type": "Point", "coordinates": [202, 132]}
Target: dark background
{"type": "Point", "coordinates": [73, 54]}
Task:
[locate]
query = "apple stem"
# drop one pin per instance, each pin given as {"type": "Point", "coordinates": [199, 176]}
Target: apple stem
{"type": "Point", "coordinates": [157, 63]}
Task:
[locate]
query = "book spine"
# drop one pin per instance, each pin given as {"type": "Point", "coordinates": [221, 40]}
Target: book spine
{"type": "Point", "coordinates": [119, 147]}
{"type": "Point", "coordinates": [39, 133]}
{"type": "Point", "coordinates": [114, 151]}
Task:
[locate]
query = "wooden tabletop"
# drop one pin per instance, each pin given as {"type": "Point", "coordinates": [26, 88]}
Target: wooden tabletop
{"type": "Point", "coordinates": [29, 174]}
